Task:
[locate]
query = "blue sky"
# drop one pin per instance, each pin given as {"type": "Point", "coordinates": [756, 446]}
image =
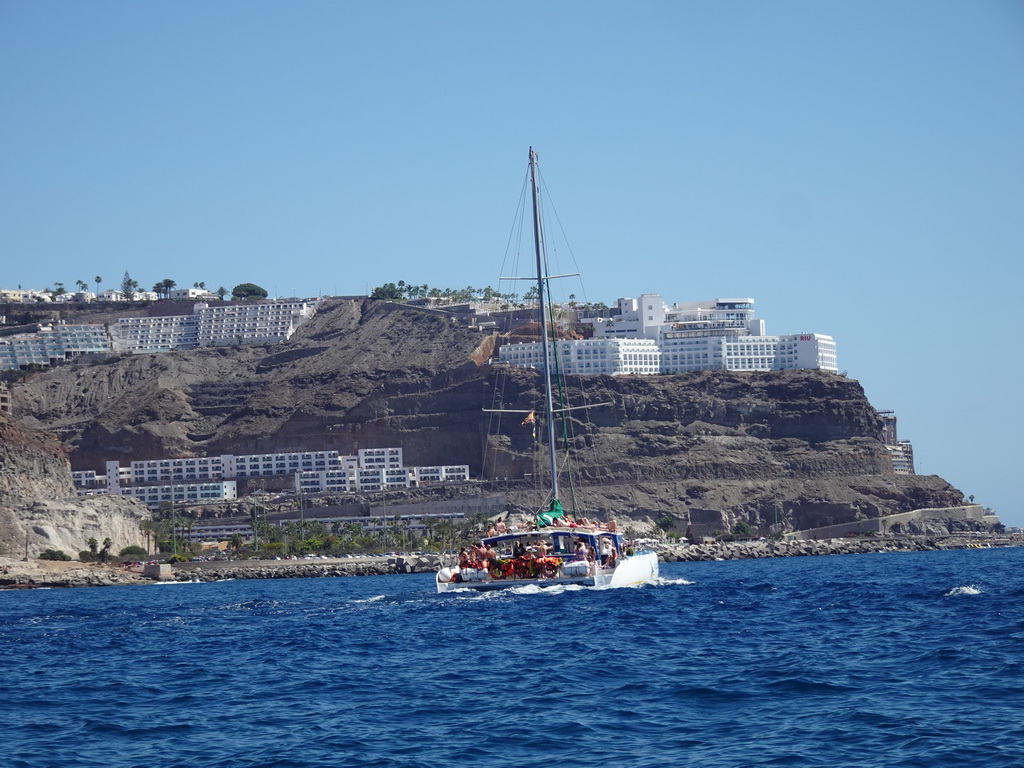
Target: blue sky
{"type": "Point", "coordinates": [855, 167]}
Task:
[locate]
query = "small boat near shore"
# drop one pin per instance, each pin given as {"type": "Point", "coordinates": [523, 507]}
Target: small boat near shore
{"type": "Point", "coordinates": [558, 549]}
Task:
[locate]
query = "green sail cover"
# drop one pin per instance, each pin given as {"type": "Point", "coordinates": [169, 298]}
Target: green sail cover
{"type": "Point", "coordinates": [554, 512]}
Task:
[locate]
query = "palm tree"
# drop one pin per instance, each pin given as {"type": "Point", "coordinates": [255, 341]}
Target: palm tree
{"type": "Point", "coordinates": [152, 530]}
{"type": "Point", "coordinates": [105, 552]}
{"type": "Point", "coordinates": [98, 280]}
{"type": "Point", "coordinates": [93, 545]}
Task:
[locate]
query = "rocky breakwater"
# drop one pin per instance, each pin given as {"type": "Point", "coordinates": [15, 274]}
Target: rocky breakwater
{"type": "Point", "coordinates": [305, 569]}
{"type": "Point", "coordinates": [18, 574]}
{"type": "Point", "coordinates": [744, 550]}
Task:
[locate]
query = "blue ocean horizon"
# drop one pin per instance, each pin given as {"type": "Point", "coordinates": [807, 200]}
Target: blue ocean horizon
{"type": "Point", "coordinates": [903, 659]}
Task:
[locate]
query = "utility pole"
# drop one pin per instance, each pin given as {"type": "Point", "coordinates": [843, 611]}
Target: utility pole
{"type": "Point", "coordinates": [302, 511]}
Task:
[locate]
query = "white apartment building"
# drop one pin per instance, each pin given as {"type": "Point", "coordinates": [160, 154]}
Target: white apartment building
{"type": "Point", "coordinates": [901, 451]}
{"type": "Point", "coordinates": [269, 464]}
{"type": "Point", "coordinates": [376, 469]}
{"type": "Point", "coordinates": [20, 296]}
{"type": "Point", "coordinates": [155, 334]}
{"type": "Point", "coordinates": [723, 334]}
{"type": "Point", "coordinates": [216, 467]}
{"type": "Point", "coordinates": [611, 356]}
{"type": "Point", "coordinates": [51, 344]}
{"type": "Point", "coordinates": [231, 323]}
{"type": "Point", "coordinates": [380, 458]}
{"type": "Point", "coordinates": [684, 353]}
{"type": "Point", "coordinates": [247, 322]}
{"type": "Point", "coordinates": [115, 295]}
{"type": "Point", "coordinates": [235, 322]}
{"type": "Point", "coordinates": [88, 479]}
{"type": "Point", "coordinates": [372, 469]}
{"type": "Point", "coordinates": [902, 455]}
{"type": "Point", "coordinates": [192, 294]}
{"type": "Point", "coordinates": [648, 317]}
{"type": "Point", "coordinates": [186, 493]}
{"type": "Point", "coordinates": [324, 481]}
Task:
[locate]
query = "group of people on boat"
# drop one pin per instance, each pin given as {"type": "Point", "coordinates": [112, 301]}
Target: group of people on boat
{"type": "Point", "coordinates": [534, 559]}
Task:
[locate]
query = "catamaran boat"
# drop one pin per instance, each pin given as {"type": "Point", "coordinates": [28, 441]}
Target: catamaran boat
{"type": "Point", "coordinates": [552, 556]}
{"type": "Point", "coordinates": [555, 551]}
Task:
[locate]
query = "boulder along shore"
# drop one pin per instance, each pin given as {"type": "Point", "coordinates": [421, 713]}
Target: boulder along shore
{"type": "Point", "coordinates": [744, 550]}
{"type": "Point", "coordinates": [41, 574]}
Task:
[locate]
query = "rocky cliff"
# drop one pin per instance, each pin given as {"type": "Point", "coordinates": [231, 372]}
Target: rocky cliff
{"type": "Point", "coordinates": [794, 449]}
{"type": "Point", "coordinates": [38, 506]}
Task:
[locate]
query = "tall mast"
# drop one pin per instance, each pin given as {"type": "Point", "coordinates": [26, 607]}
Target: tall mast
{"type": "Point", "coordinates": [542, 291]}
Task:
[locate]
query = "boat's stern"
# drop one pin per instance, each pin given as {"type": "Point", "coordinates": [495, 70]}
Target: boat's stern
{"type": "Point", "coordinates": [635, 569]}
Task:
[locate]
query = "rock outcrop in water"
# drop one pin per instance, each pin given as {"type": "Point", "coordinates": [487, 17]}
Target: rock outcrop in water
{"type": "Point", "coordinates": [783, 450]}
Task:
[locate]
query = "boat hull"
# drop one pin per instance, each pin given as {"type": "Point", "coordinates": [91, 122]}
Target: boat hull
{"type": "Point", "coordinates": [631, 571]}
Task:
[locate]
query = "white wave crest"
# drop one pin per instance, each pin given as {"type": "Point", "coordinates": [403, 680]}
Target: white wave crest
{"type": "Point", "coordinates": [661, 581]}
{"type": "Point", "coordinates": [971, 589]}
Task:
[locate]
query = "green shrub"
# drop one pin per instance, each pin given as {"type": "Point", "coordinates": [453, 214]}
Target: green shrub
{"type": "Point", "coordinates": [743, 528]}
{"type": "Point", "coordinates": [55, 554]}
{"type": "Point", "coordinates": [137, 553]}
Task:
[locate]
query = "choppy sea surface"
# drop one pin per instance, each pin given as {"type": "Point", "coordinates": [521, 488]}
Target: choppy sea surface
{"type": "Point", "coordinates": [910, 659]}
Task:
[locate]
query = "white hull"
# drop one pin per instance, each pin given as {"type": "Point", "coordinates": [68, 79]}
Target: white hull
{"type": "Point", "coordinates": [631, 571]}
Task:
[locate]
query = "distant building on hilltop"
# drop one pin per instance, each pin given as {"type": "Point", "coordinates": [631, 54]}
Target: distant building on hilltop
{"type": "Point", "coordinates": [901, 451]}
{"type": "Point", "coordinates": [192, 294]}
{"type": "Point", "coordinates": [226, 323]}
{"type": "Point", "coordinates": [714, 335]}
{"type": "Point", "coordinates": [46, 345]}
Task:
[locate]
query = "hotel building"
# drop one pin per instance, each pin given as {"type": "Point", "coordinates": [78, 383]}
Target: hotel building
{"type": "Point", "coordinates": [901, 451]}
{"type": "Point", "coordinates": [235, 322]}
{"type": "Point", "coordinates": [196, 479]}
{"type": "Point", "coordinates": [714, 335]}
{"type": "Point", "coordinates": [50, 344]}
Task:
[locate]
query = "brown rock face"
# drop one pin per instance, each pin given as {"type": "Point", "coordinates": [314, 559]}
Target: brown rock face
{"type": "Point", "coordinates": [39, 508]}
{"type": "Point", "coordinates": [705, 449]}
{"type": "Point", "coordinates": [33, 464]}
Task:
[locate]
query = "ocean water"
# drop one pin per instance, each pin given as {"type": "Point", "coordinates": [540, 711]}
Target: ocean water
{"type": "Point", "coordinates": [859, 660]}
